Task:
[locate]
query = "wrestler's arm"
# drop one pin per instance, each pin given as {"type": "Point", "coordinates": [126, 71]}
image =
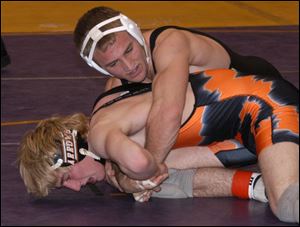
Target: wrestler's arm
{"type": "Point", "coordinates": [133, 159]}
{"type": "Point", "coordinates": [169, 91]}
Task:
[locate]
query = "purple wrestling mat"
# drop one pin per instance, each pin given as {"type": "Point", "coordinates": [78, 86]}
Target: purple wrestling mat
{"type": "Point", "coordinates": [48, 77]}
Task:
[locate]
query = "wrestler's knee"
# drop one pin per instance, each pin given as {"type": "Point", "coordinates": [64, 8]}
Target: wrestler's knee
{"type": "Point", "coordinates": [287, 209]}
{"type": "Point", "coordinates": [178, 185]}
{"type": "Point", "coordinates": [280, 168]}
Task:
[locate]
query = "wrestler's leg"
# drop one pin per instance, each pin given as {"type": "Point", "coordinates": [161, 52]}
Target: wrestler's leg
{"type": "Point", "coordinates": [207, 182]}
{"type": "Point", "coordinates": [213, 182]}
{"type": "Point", "coordinates": [210, 182]}
{"type": "Point", "coordinates": [279, 164]}
{"type": "Point", "coordinates": [192, 157]}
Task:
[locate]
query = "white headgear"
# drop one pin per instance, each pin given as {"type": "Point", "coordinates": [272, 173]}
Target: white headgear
{"type": "Point", "coordinates": [95, 34]}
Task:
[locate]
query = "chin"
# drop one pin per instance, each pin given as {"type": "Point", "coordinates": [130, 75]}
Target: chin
{"type": "Point", "coordinates": [142, 78]}
{"type": "Point", "coordinates": [140, 81]}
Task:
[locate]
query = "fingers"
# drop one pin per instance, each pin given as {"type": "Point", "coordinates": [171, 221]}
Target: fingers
{"type": "Point", "coordinates": [112, 180]}
{"type": "Point", "coordinates": [152, 182]}
{"type": "Point", "coordinates": [116, 184]}
{"type": "Point", "coordinates": [109, 169]}
{"type": "Point", "coordinates": [157, 189]}
{"type": "Point", "coordinates": [158, 179]}
{"type": "Point", "coordinates": [143, 196]}
{"type": "Point", "coordinates": [146, 184]}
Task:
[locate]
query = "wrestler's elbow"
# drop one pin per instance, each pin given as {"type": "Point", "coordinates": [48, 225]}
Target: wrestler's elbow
{"type": "Point", "coordinates": [142, 167]}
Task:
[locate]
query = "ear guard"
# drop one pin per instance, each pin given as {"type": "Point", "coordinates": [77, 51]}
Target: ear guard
{"type": "Point", "coordinates": [74, 149]}
{"type": "Point", "coordinates": [95, 34]}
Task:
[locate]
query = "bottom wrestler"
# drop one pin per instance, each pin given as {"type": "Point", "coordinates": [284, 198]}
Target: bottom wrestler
{"type": "Point", "coordinates": [221, 105]}
{"type": "Point", "coordinates": [190, 172]}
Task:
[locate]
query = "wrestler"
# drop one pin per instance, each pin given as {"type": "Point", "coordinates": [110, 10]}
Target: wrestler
{"type": "Point", "coordinates": [53, 156]}
{"type": "Point", "coordinates": [114, 45]}
{"type": "Point", "coordinates": [220, 105]}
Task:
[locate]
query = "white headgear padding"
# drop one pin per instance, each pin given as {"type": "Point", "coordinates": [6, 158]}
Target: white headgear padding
{"type": "Point", "coordinates": [95, 35]}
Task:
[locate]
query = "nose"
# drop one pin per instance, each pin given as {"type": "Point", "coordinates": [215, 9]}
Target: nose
{"type": "Point", "coordinates": [73, 184]}
{"type": "Point", "coordinates": [127, 65]}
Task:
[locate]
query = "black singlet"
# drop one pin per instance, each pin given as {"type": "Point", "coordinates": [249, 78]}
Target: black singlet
{"type": "Point", "coordinates": [245, 64]}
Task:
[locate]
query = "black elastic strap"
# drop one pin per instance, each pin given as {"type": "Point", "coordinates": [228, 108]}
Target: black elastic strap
{"type": "Point", "coordinates": [132, 89]}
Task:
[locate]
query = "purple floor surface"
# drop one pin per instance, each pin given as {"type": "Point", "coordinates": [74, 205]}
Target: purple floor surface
{"type": "Point", "coordinates": [30, 91]}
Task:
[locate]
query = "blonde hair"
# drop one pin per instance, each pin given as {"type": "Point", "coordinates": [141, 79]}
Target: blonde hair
{"type": "Point", "coordinates": [38, 147]}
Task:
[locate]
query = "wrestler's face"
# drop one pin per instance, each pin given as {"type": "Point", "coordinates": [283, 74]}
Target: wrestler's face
{"type": "Point", "coordinates": [124, 58]}
{"type": "Point", "coordinates": [86, 171]}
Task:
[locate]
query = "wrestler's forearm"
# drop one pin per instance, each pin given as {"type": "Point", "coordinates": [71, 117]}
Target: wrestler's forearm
{"type": "Point", "coordinates": [162, 130]}
{"type": "Point", "coordinates": [163, 124]}
{"type": "Point", "coordinates": [164, 119]}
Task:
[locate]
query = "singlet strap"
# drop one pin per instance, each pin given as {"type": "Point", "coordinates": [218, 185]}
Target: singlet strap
{"type": "Point", "coordinates": [123, 81]}
{"type": "Point", "coordinates": [129, 91]}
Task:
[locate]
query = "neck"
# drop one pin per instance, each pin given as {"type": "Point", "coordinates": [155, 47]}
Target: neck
{"type": "Point", "coordinates": [150, 74]}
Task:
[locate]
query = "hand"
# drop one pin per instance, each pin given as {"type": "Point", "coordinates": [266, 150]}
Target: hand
{"type": "Point", "coordinates": [142, 196]}
{"type": "Point", "coordinates": [125, 184]}
{"type": "Point", "coordinates": [119, 180]}
{"type": "Point", "coordinates": [131, 186]}
{"type": "Point", "coordinates": [111, 175]}
{"type": "Point", "coordinates": [152, 183]}
{"type": "Point", "coordinates": [162, 169]}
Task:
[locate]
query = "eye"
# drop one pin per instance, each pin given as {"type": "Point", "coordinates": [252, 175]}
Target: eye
{"type": "Point", "coordinates": [113, 64]}
{"type": "Point", "coordinates": [128, 50]}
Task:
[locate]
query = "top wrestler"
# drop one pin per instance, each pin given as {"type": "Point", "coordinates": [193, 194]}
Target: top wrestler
{"type": "Point", "coordinates": [113, 44]}
{"type": "Point", "coordinates": [262, 114]}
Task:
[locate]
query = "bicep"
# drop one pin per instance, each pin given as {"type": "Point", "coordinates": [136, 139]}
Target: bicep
{"type": "Point", "coordinates": [172, 62]}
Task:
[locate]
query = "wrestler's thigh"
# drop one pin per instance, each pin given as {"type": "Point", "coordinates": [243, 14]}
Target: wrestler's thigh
{"type": "Point", "coordinates": [192, 157]}
{"type": "Point", "coordinates": [279, 164]}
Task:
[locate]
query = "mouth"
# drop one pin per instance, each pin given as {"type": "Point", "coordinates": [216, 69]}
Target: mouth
{"type": "Point", "coordinates": [135, 72]}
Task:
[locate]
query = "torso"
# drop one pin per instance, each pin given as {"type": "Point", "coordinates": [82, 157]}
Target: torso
{"type": "Point", "coordinates": [131, 114]}
{"type": "Point", "coordinates": [216, 108]}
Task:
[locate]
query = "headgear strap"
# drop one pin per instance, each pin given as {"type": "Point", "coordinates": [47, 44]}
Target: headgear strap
{"type": "Point", "coordinates": [74, 149]}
